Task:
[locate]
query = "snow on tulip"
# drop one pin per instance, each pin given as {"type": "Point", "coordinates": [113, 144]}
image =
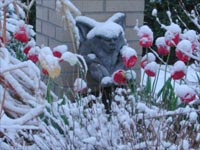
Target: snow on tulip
{"type": "Point", "coordinates": [172, 35]}
{"type": "Point", "coordinates": [192, 37]}
{"type": "Point", "coordinates": [22, 32]}
{"type": "Point", "coordinates": [129, 56]}
{"type": "Point", "coordinates": [162, 48]}
{"type": "Point", "coordinates": [145, 35]}
{"type": "Point", "coordinates": [59, 50]}
{"type": "Point", "coordinates": [119, 77]}
{"type": "Point", "coordinates": [33, 54]}
{"type": "Point", "coordinates": [49, 62]}
{"type": "Point", "coordinates": [70, 58]}
{"type": "Point", "coordinates": [80, 85]}
{"type": "Point", "coordinates": [28, 46]}
{"type": "Point", "coordinates": [147, 58]}
{"type": "Point", "coordinates": [182, 49]}
{"type": "Point", "coordinates": [151, 69]}
{"type": "Point", "coordinates": [178, 70]}
{"type": "Point", "coordinates": [185, 93]}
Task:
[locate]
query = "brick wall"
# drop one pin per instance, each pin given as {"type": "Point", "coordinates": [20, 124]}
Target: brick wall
{"type": "Point", "coordinates": [50, 29]}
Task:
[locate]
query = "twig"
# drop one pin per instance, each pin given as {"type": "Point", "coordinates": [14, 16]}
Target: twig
{"type": "Point", "coordinates": [3, 101]}
{"type": "Point", "coordinates": [30, 115]}
{"type": "Point", "coordinates": [4, 25]}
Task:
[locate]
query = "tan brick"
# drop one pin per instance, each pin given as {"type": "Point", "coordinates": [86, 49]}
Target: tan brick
{"type": "Point", "coordinates": [55, 18]}
{"type": "Point", "coordinates": [100, 16]}
{"type": "Point", "coordinates": [89, 5]}
{"type": "Point", "coordinates": [48, 29]}
{"type": "Point", "coordinates": [53, 43]}
{"type": "Point", "coordinates": [132, 17]}
{"type": "Point", "coordinates": [42, 13]}
{"type": "Point", "coordinates": [38, 25]}
{"type": "Point", "coordinates": [39, 2]}
{"type": "Point", "coordinates": [62, 35]}
{"type": "Point", "coordinates": [130, 34]}
{"type": "Point", "coordinates": [124, 5]}
{"type": "Point", "coordinates": [49, 3]}
{"type": "Point", "coordinates": [41, 39]}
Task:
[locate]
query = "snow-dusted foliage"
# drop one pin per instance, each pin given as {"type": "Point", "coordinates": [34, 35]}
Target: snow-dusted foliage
{"type": "Point", "coordinates": [130, 125]}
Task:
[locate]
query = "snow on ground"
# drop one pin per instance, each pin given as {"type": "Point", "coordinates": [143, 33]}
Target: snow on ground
{"type": "Point", "coordinates": [191, 77]}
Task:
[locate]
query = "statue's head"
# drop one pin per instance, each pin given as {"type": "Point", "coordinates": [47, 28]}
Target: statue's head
{"type": "Point", "coordinates": [107, 36]}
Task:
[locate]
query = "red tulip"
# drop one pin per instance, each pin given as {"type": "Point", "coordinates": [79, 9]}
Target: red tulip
{"type": "Point", "coordinates": [162, 47]}
{"type": "Point", "coordinates": [21, 35]}
{"type": "Point", "coordinates": [172, 39]}
{"type": "Point", "coordinates": [130, 62]}
{"type": "Point", "coordinates": [149, 57]}
{"type": "Point", "coordinates": [151, 69]}
{"type": "Point", "coordinates": [185, 93]}
{"type": "Point", "coordinates": [59, 50]}
{"type": "Point", "coordinates": [57, 54]}
{"type": "Point", "coordinates": [178, 70]}
{"type": "Point", "coordinates": [182, 49]}
{"type": "Point", "coordinates": [27, 49]}
{"type": "Point", "coordinates": [44, 71]}
{"type": "Point", "coordinates": [129, 56]}
{"type": "Point", "coordinates": [28, 46]}
{"type": "Point", "coordinates": [119, 77]}
{"type": "Point", "coordinates": [33, 57]}
{"type": "Point", "coordinates": [145, 35]}
{"type": "Point", "coordinates": [145, 41]}
{"type": "Point", "coordinates": [181, 56]}
{"type": "Point", "coordinates": [172, 35]}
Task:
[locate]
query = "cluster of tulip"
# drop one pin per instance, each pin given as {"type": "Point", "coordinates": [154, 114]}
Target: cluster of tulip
{"type": "Point", "coordinates": [186, 44]}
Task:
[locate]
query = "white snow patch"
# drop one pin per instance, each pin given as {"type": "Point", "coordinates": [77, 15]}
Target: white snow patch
{"type": "Point", "coordinates": [131, 75]}
{"type": "Point", "coordinates": [70, 58]}
{"type": "Point", "coordinates": [128, 52]}
{"type": "Point", "coordinates": [60, 48]}
{"type": "Point", "coordinates": [107, 29]}
{"type": "Point", "coordinates": [79, 85]}
{"type": "Point", "coordinates": [185, 46]}
{"type": "Point", "coordinates": [178, 66]}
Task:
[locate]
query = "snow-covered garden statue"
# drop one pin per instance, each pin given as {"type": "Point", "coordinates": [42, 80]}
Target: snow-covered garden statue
{"type": "Point", "coordinates": [101, 44]}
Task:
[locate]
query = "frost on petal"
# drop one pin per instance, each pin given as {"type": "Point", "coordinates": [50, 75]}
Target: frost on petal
{"type": "Point", "coordinates": [178, 70]}
{"type": "Point", "coordinates": [51, 64]}
{"type": "Point", "coordinates": [80, 85]}
{"type": "Point", "coordinates": [145, 30]}
{"type": "Point", "coordinates": [190, 35]}
{"type": "Point", "coordinates": [162, 47]}
{"type": "Point", "coordinates": [151, 69]}
{"type": "Point", "coordinates": [185, 93]}
{"type": "Point", "coordinates": [60, 48]}
{"type": "Point", "coordinates": [70, 58]}
{"type": "Point", "coordinates": [185, 46]}
{"type": "Point", "coordinates": [183, 49]}
{"type": "Point", "coordinates": [129, 56]}
{"type": "Point", "coordinates": [172, 35]}
{"type": "Point", "coordinates": [147, 58]}
{"type": "Point", "coordinates": [174, 28]}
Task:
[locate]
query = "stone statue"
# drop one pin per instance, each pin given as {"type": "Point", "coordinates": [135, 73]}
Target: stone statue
{"type": "Point", "coordinates": [100, 44]}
